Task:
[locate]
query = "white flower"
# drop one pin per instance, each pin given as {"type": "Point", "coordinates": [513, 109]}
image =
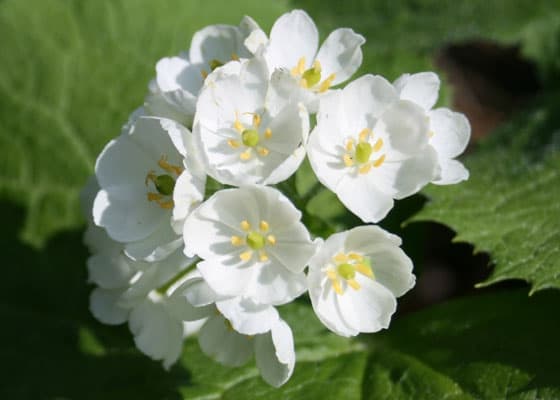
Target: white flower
{"type": "Point", "coordinates": [293, 45]}
{"type": "Point", "coordinates": [137, 174]}
{"type": "Point", "coordinates": [370, 148]}
{"type": "Point", "coordinates": [355, 277]}
{"type": "Point", "coordinates": [240, 329]}
{"type": "Point", "coordinates": [449, 131]}
{"type": "Point", "coordinates": [253, 244]}
{"type": "Point", "coordinates": [179, 79]}
{"type": "Point", "coordinates": [244, 138]}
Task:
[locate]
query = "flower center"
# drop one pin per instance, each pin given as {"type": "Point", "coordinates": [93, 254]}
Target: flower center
{"type": "Point", "coordinates": [256, 241]}
{"type": "Point", "coordinates": [250, 137]}
{"type": "Point", "coordinates": [164, 184]}
{"type": "Point", "coordinates": [359, 155]}
{"type": "Point", "coordinates": [215, 63]}
{"type": "Point", "coordinates": [342, 273]}
{"type": "Point", "coordinates": [311, 77]}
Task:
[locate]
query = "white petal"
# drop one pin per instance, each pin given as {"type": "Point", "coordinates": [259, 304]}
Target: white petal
{"type": "Point", "coordinates": [217, 42]}
{"type": "Point", "coordinates": [274, 284]}
{"type": "Point", "coordinates": [177, 105]}
{"type": "Point", "coordinates": [220, 342]}
{"type": "Point", "coordinates": [452, 171]}
{"type": "Point", "coordinates": [87, 195]}
{"type": "Point", "coordinates": [110, 270]}
{"type": "Point", "coordinates": [156, 333]}
{"type": "Point", "coordinates": [177, 73]}
{"type": "Point", "coordinates": [188, 193]}
{"type": "Point", "coordinates": [392, 269]}
{"type": "Point", "coordinates": [293, 35]}
{"type": "Point", "coordinates": [361, 196]}
{"type": "Point", "coordinates": [368, 239]}
{"type": "Point", "coordinates": [275, 355]}
{"type": "Point", "coordinates": [162, 242]}
{"type": "Point", "coordinates": [325, 162]}
{"type": "Point", "coordinates": [98, 241]}
{"type": "Point", "coordinates": [181, 308]}
{"type": "Point", "coordinates": [341, 54]}
{"type": "Point", "coordinates": [227, 280]}
{"type": "Point", "coordinates": [451, 132]}
{"type": "Point", "coordinates": [247, 316]}
{"type": "Point", "coordinates": [421, 88]}
{"type": "Point", "coordinates": [103, 304]}
{"type": "Point", "coordinates": [368, 309]}
{"type": "Point", "coordinates": [287, 167]}
{"type": "Point", "coordinates": [256, 41]}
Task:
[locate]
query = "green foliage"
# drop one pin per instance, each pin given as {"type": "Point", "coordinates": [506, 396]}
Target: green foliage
{"type": "Point", "coordinates": [509, 206]}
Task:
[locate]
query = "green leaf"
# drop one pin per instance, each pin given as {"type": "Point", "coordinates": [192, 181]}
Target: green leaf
{"type": "Point", "coordinates": [71, 73]}
{"type": "Point", "coordinates": [509, 205]}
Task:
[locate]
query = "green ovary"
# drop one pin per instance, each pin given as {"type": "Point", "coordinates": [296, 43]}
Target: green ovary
{"type": "Point", "coordinates": [346, 271]}
{"type": "Point", "coordinates": [363, 152]}
{"type": "Point", "coordinates": [312, 76]}
{"type": "Point", "coordinates": [165, 184]}
{"type": "Point", "coordinates": [255, 240]}
{"type": "Point", "coordinates": [250, 137]}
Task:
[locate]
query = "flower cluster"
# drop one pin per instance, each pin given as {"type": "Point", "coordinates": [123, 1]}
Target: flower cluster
{"type": "Point", "coordinates": [172, 259]}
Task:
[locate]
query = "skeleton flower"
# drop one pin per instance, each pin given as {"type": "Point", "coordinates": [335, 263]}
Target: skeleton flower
{"type": "Point", "coordinates": [179, 79]}
{"type": "Point", "coordinates": [244, 137]}
{"type": "Point", "coordinates": [355, 277]}
{"type": "Point", "coordinates": [370, 148]}
{"type": "Point", "coordinates": [449, 131]}
{"type": "Point", "coordinates": [253, 244]}
{"type": "Point", "coordinates": [293, 45]}
{"type": "Point", "coordinates": [237, 328]}
{"type": "Point", "coordinates": [137, 175]}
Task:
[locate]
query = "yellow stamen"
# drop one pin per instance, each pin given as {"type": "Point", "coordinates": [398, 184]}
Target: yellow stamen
{"type": "Point", "coordinates": [268, 133]}
{"type": "Point", "coordinates": [263, 151]}
{"type": "Point", "coordinates": [271, 239]}
{"type": "Point", "coordinates": [364, 169]}
{"type": "Point", "coordinates": [340, 258]}
{"type": "Point", "coordinates": [169, 167]}
{"type": "Point", "coordinates": [234, 57]}
{"type": "Point", "coordinates": [353, 284]}
{"type": "Point", "coordinates": [234, 144]}
{"type": "Point", "coordinates": [327, 83]}
{"type": "Point", "coordinates": [355, 256]}
{"type": "Point", "coordinates": [237, 125]}
{"type": "Point", "coordinates": [364, 270]}
{"type": "Point", "coordinates": [204, 74]}
{"type": "Point", "coordinates": [237, 241]}
{"type": "Point", "coordinates": [379, 161]}
{"type": "Point", "coordinates": [348, 160]}
{"type": "Point", "coordinates": [166, 204]}
{"type": "Point", "coordinates": [350, 144]}
{"type": "Point", "coordinates": [363, 135]}
{"type": "Point", "coordinates": [336, 286]}
{"type": "Point", "coordinates": [154, 196]}
{"type": "Point", "coordinates": [264, 226]}
{"type": "Point", "coordinates": [263, 257]}
{"type": "Point", "coordinates": [256, 120]}
{"type": "Point", "coordinates": [246, 155]}
{"type": "Point", "coordinates": [378, 145]}
{"type": "Point", "coordinates": [332, 274]}
{"type": "Point", "coordinates": [150, 177]}
{"type": "Point", "coordinates": [245, 225]}
{"type": "Point", "coordinates": [303, 84]}
{"type": "Point", "coordinates": [299, 68]}
{"type": "Point", "coordinates": [246, 255]}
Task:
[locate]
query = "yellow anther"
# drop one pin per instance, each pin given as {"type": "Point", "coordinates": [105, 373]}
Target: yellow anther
{"type": "Point", "coordinates": [237, 241]}
{"type": "Point", "coordinates": [246, 255]}
{"type": "Point", "coordinates": [256, 120]}
{"type": "Point", "coordinates": [355, 256]}
{"type": "Point", "coordinates": [264, 227]}
{"type": "Point", "coordinates": [336, 286]}
{"type": "Point", "coordinates": [271, 239]}
{"type": "Point", "coordinates": [263, 257]}
{"type": "Point", "coordinates": [379, 161]}
{"type": "Point", "coordinates": [348, 160]}
{"type": "Point", "coordinates": [237, 125]}
{"type": "Point", "coordinates": [268, 133]}
{"type": "Point", "coordinates": [364, 270]}
{"type": "Point", "coordinates": [340, 258]}
{"type": "Point", "coordinates": [299, 68]}
{"type": "Point", "coordinates": [166, 204]}
{"type": "Point", "coordinates": [327, 83]}
{"type": "Point", "coordinates": [263, 151]}
{"type": "Point", "coordinates": [150, 177]}
{"type": "Point", "coordinates": [353, 284]}
{"type": "Point", "coordinates": [204, 74]}
{"type": "Point", "coordinates": [363, 135]}
{"type": "Point", "coordinates": [234, 144]}
{"type": "Point", "coordinates": [246, 155]}
{"type": "Point", "coordinates": [245, 225]}
{"type": "Point", "coordinates": [174, 169]}
{"type": "Point", "coordinates": [364, 169]}
{"type": "Point", "coordinates": [350, 144]}
{"type": "Point", "coordinates": [331, 274]}
{"type": "Point", "coordinates": [378, 145]}
{"type": "Point", "coordinates": [303, 84]}
{"type": "Point", "coordinates": [154, 196]}
{"type": "Point", "coordinates": [234, 57]}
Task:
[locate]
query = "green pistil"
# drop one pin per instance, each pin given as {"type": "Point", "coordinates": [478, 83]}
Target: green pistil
{"type": "Point", "coordinates": [312, 76]}
{"type": "Point", "coordinates": [255, 240]}
{"type": "Point", "coordinates": [346, 271]}
{"type": "Point", "coordinates": [250, 137]}
{"type": "Point", "coordinates": [363, 152]}
{"type": "Point", "coordinates": [215, 64]}
{"type": "Point", "coordinates": [165, 184]}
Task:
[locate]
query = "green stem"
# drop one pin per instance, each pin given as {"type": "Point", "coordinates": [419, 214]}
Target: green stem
{"type": "Point", "coordinates": [165, 287]}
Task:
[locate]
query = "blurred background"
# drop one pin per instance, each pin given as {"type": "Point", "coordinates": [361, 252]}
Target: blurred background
{"type": "Point", "coordinates": [72, 70]}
